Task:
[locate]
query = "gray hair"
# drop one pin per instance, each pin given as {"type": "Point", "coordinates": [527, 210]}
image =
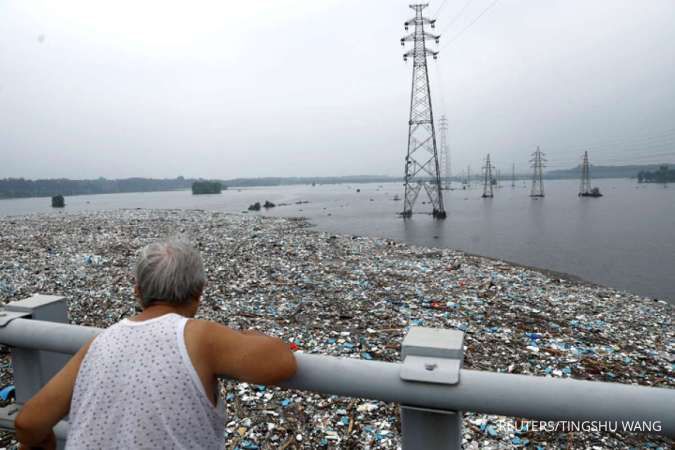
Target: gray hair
{"type": "Point", "coordinates": [169, 271]}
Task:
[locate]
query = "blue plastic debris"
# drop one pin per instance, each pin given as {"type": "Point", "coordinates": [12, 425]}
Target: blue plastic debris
{"type": "Point", "coordinates": [491, 431]}
{"type": "Point", "coordinates": [7, 392]}
{"type": "Point", "coordinates": [567, 371]}
{"type": "Point", "coordinates": [285, 402]}
{"type": "Point", "coordinates": [344, 420]}
{"type": "Point", "coordinates": [248, 445]}
{"type": "Point", "coordinates": [229, 397]}
{"type": "Point", "coordinates": [366, 355]}
{"type": "Point", "coordinates": [6, 288]}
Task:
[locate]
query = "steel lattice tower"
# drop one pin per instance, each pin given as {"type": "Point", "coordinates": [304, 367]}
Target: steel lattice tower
{"type": "Point", "coordinates": [445, 154]}
{"type": "Point", "coordinates": [585, 187]}
{"type": "Point", "coordinates": [538, 176]}
{"type": "Point", "coordinates": [422, 170]}
{"type": "Point", "coordinates": [487, 178]}
{"type": "Point", "coordinates": [513, 176]}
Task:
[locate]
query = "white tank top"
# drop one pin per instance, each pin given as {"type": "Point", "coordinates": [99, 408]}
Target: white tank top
{"type": "Point", "coordinates": [137, 388]}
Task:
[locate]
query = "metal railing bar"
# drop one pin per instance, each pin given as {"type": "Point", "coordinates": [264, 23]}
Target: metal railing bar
{"type": "Point", "coordinates": [523, 396]}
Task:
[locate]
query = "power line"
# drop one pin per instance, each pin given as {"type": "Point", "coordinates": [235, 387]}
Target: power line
{"type": "Point", "coordinates": [615, 157]}
{"type": "Point", "coordinates": [455, 37]}
{"type": "Point", "coordinates": [617, 162]}
{"type": "Point", "coordinates": [622, 157]}
{"type": "Point", "coordinates": [457, 16]}
{"type": "Point", "coordinates": [611, 144]}
{"type": "Point", "coordinates": [440, 8]}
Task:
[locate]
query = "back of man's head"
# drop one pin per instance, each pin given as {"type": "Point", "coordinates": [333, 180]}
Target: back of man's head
{"type": "Point", "coordinates": [169, 271]}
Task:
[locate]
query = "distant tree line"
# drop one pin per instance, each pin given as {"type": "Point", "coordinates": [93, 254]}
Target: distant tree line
{"type": "Point", "coordinates": [627, 171]}
{"type": "Point", "coordinates": [206, 187]}
{"type": "Point", "coordinates": [20, 187]}
{"type": "Point", "coordinates": [662, 175]}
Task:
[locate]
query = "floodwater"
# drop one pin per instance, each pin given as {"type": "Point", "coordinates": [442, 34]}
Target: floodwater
{"type": "Point", "coordinates": [625, 239]}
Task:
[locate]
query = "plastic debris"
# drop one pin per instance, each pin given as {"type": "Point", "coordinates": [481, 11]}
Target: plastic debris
{"type": "Point", "coordinates": [7, 392]}
{"type": "Point", "coordinates": [352, 297]}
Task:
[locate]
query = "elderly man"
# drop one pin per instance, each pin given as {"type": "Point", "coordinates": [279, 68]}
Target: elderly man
{"type": "Point", "coordinates": [150, 381]}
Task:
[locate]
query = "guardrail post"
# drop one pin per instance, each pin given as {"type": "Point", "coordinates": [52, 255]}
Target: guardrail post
{"type": "Point", "coordinates": [34, 368]}
{"type": "Point", "coordinates": [431, 355]}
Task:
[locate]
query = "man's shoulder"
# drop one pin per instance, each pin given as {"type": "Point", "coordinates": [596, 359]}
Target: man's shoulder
{"type": "Point", "coordinates": [206, 331]}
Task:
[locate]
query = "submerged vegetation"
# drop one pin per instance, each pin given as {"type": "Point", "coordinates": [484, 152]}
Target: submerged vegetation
{"type": "Point", "coordinates": [662, 175]}
{"type": "Point", "coordinates": [206, 187]}
{"type": "Point", "coordinates": [58, 201]}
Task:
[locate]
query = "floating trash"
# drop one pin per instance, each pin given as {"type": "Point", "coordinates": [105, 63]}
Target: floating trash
{"type": "Point", "coordinates": [353, 297]}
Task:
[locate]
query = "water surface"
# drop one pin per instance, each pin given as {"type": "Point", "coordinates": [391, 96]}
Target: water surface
{"type": "Point", "coordinates": [625, 239]}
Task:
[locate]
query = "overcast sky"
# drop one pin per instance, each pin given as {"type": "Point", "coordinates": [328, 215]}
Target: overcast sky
{"type": "Point", "coordinates": [318, 87]}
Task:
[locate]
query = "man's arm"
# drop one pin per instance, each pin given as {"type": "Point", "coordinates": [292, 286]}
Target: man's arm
{"type": "Point", "coordinates": [39, 415]}
{"type": "Point", "coordinates": [245, 356]}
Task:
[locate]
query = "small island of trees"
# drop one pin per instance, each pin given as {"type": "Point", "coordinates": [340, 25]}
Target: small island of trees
{"type": "Point", "coordinates": [58, 201]}
{"type": "Point", "coordinates": [207, 187]}
{"type": "Point", "coordinates": [663, 175]}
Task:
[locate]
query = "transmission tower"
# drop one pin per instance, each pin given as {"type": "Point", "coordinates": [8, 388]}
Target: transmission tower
{"type": "Point", "coordinates": [585, 188]}
{"type": "Point", "coordinates": [422, 170]}
{"type": "Point", "coordinates": [468, 176]}
{"type": "Point", "coordinates": [513, 176]}
{"type": "Point", "coordinates": [445, 154]}
{"type": "Point", "coordinates": [487, 178]}
{"type": "Point", "coordinates": [538, 176]}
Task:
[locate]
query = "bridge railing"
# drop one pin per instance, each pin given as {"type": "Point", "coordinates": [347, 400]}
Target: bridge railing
{"type": "Point", "coordinates": [429, 384]}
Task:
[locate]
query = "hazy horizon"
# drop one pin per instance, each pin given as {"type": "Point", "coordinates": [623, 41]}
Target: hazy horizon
{"type": "Point", "coordinates": [304, 88]}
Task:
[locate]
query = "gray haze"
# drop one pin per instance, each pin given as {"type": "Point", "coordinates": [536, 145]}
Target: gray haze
{"type": "Point", "coordinates": [308, 87]}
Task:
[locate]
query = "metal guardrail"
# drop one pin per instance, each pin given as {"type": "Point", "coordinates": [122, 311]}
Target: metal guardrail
{"type": "Point", "coordinates": [429, 384]}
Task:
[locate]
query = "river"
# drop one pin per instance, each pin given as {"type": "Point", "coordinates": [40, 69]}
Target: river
{"type": "Point", "coordinates": [625, 239]}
